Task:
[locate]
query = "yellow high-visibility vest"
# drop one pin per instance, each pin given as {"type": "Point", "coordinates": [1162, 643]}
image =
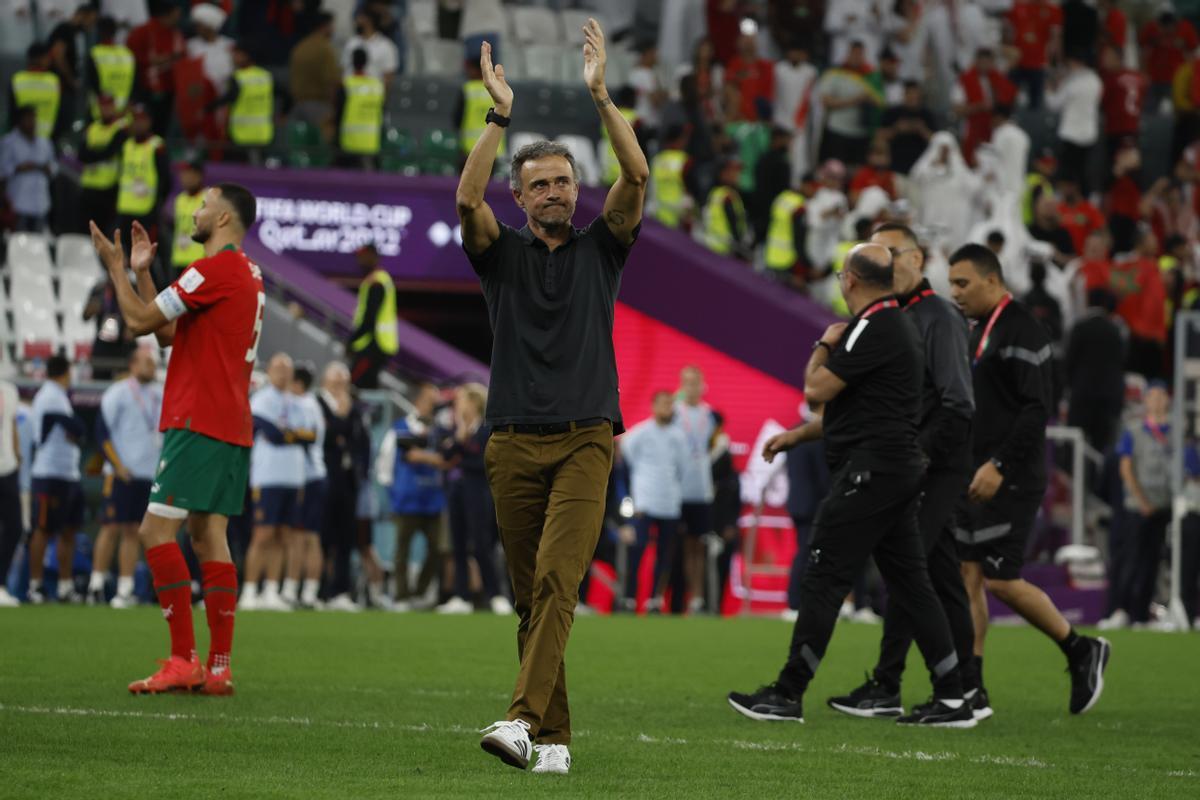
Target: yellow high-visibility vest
{"type": "Point", "coordinates": [42, 91]}
{"type": "Point", "coordinates": [362, 116]}
{"type": "Point", "coordinates": [139, 177]}
{"type": "Point", "coordinates": [838, 301]}
{"type": "Point", "coordinates": [718, 236]}
{"type": "Point", "coordinates": [666, 171]}
{"type": "Point", "coordinates": [610, 168]}
{"type": "Point", "coordinates": [386, 334]}
{"type": "Point", "coordinates": [101, 175]}
{"type": "Point", "coordinates": [115, 68]}
{"type": "Point", "coordinates": [782, 250]}
{"type": "Point", "coordinates": [476, 102]}
{"type": "Point", "coordinates": [184, 250]}
{"type": "Point", "coordinates": [1033, 182]}
{"type": "Point", "coordinates": [252, 118]}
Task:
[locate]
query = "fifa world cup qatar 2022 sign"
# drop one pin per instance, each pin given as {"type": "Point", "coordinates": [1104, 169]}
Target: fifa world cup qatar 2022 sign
{"type": "Point", "coordinates": [321, 217]}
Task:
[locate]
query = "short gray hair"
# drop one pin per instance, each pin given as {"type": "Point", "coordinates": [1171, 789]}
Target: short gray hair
{"type": "Point", "coordinates": [539, 150]}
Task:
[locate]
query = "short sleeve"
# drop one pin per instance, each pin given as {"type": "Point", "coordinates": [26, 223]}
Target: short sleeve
{"type": "Point", "coordinates": [1125, 445]}
{"type": "Point", "coordinates": [486, 261]}
{"type": "Point", "coordinates": [110, 408]}
{"type": "Point", "coordinates": [863, 349]}
{"type": "Point", "coordinates": [261, 405]}
{"type": "Point", "coordinates": [1191, 461]}
{"type": "Point", "coordinates": [611, 249]}
{"type": "Point", "coordinates": [198, 287]}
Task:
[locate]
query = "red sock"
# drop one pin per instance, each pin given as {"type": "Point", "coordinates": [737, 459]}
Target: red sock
{"type": "Point", "coordinates": [174, 587]}
{"type": "Point", "coordinates": [220, 600]}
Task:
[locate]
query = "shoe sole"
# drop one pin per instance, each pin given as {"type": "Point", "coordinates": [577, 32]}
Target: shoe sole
{"type": "Point", "coordinates": [1105, 652]}
{"type": "Point", "coordinates": [757, 717]}
{"type": "Point", "coordinates": [981, 714]}
{"type": "Point", "coordinates": [867, 713]}
{"type": "Point", "coordinates": [194, 689]}
{"type": "Point", "coordinates": [500, 751]}
{"type": "Point", "coordinates": [958, 724]}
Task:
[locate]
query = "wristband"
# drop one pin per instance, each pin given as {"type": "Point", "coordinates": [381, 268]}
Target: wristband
{"type": "Point", "coordinates": [500, 120]}
{"type": "Point", "coordinates": [822, 343]}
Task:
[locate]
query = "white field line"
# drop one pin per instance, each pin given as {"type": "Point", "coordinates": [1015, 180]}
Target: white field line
{"type": "Point", "coordinates": [642, 738]}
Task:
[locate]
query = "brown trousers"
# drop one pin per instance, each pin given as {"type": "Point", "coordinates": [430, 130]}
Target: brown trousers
{"type": "Point", "coordinates": [550, 493]}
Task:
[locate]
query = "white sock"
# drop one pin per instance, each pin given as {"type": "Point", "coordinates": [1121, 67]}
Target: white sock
{"type": "Point", "coordinates": [951, 703]}
{"type": "Point", "coordinates": [290, 588]}
{"type": "Point", "coordinates": [64, 587]}
{"type": "Point", "coordinates": [96, 582]}
{"type": "Point", "coordinates": [309, 593]}
{"type": "Point", "coordinates": [270, 590]}
{"type": "Point", "coordinates": [35, 584]}
{"type": "Point", "coordinates": [375, 591]}
{"type": "Point", "coordinates": [250, 592]}
{"type": "Point", "coordinates": [125, 586]}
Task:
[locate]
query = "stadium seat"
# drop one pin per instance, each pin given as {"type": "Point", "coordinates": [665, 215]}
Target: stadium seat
{"type": "Point", "coordinates": [30, 253]}
{"type": "Point", "coordinates": [74, 253]}
{"type": "Point", "coordinates": [302, 143]}
{"type": "Point", "coordinates": [440, 57]}
{"type": "Point", "coordinates": [35, 326]}
{"type": "Point", "coordinates": [423, 16]}
{"type": "Point", "coordinates": [518, 139]}
{"type": "Point", "coordinates": [72, 297]}
{"type": "Point", "coordinates": [439, 153]}
{"type": "Point", "coordinates": [533, 24]}
{"type": "Point", "coordinates": [584, 151]}
{"type": "Point", "coordinates": [399, 152]}
{"type": "Point", "coordinates": [547, 62]}
{"type": "Point", "coordinates": [573, 20]}
{"type": "Point", "coordinates": [620, 67]}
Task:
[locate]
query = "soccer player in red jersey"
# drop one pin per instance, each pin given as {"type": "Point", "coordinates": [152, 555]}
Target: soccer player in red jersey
{"type": "Point", "coordinates": [212, 315]}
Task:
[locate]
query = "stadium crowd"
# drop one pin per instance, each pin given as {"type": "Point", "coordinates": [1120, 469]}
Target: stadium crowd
{"type": "Point", "coordinates": [779, 133]}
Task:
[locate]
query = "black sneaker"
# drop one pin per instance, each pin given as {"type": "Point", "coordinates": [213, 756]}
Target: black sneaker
{"type": "Point", "coordinates": [936, 714]}
{"type": "Point", "coordinates": [770, 703]}
{"type": "Point", "coordinates": [977, 699]}
{"type": "Point", "coordinates": [871, 699]}
{"type": "Point", "coordinates": [1087, 675]}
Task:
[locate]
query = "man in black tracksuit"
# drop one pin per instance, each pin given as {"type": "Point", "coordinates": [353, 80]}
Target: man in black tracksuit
{"type": "Point", "coordinates": [869, 374]}
{"type": "Point", "coordinates": [1013, 378]}
{"type": "Point", "coordinates": [947, 405]}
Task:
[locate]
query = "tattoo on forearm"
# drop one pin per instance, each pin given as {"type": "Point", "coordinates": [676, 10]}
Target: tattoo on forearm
{"type": "Point", "coordinates": [616, 217]}
{"type": "Point", "coordinates": [607, 101]}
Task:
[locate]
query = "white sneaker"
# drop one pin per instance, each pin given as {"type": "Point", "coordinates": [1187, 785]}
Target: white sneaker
{"type": "Point", "coordinates": [501, 606]}
{"type": "Point", "coordinates": [508, 740]}
{"type": "Point", "coordinates": [455, 605]}
{"type": "Point", "coordinates": [553, 759]}
{"type": "Point", "coordinates": [249, 600]}
{"type": "Point", "coordinates": [273, 602]}
{"type": "Point", "coordinates": [343, 602]}
{"type": "Point", "coordinates": [1118, 619]}
{"type": "Point", "coordinates": [789, 615]}
{"type": "Point", "coordinates": [846, 611]}
{"type": "Point", "coordinates": [7, 600]}
{"type": "Point", "coordinates": [695, 605]}
{"type": "Point", "coordinates": [123, 601]}
{"type": "Point", "coordinates": [866, 615]}
{"type": "Point", "coordinates": [401, 607]}
{"type": "Point", "coordinates": [582, 610]}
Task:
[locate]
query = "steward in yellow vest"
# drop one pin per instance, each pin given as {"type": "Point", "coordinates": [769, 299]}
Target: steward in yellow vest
{"type": "Point", "coordinates": [1037, 183]}
{"type": "Point", "coordinates": [376, 335]}
{"type": "Point", "coordinates": [475, 104]}
{"type": "Point", "coordinates": [100, 154]}
{"type": "Point", "coordinates": [111, 66]}
{"type": "Point", "coordinates": [672, 203]}
{"type": "Point", "coordinates": [38, 87]}
{"type": "Point", "coordinates": [785, 241]}
{"type": "Point", "coordinates": [610, 168]}
{"type": "Point", "coordinates": [725, 227]}
{"type": "Point", "coordinates": [360, 112]}
{"type": "Point", "coordinates": [184, 249]}
{"type": "Point", "coordinates": [145, 174]}
{"type": "Point", "coordinates": [251, 101]}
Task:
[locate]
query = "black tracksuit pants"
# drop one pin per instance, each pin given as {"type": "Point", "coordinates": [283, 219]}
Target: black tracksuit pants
{"type": "Point", "coordinates": [869, 514]}
{"type": "Point", "coordinates": [940, 496]}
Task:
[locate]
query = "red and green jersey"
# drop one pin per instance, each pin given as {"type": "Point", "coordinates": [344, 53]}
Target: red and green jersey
{"type": "Point", "coordinates": [218, 302]}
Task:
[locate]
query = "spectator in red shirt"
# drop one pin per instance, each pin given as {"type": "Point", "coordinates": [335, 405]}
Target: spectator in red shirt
{"type": "Point", "coordinates": [156, 46]}
{"type": "Point", "coordinates": [754, 77]}
{"type": "Point", "coordinates": [1114, 25]}
{"type": "Point", "coordinates": [724, 19]}
{"type": "Point", "coordinates": [1165, 43]}
{"type": "Point", "coordinates": [876, 172]}
{"type": "Point", "coordinates": [1124, 91]}
{"type": "Point", "coordinates": [1170, 213]}
{"type": "Point", "coordinates": [979, 90]}
{"type": "Point", "coordinates": [1095, 266]}
{"type": "Point", "coordinates": [1036, 30]}
{"type": "Point", "coordinates": [1124, 202]}
{"type": "Point", "coordinates": [1142, 296]}
{"type": "Point", "coordinates": [1077, 215]}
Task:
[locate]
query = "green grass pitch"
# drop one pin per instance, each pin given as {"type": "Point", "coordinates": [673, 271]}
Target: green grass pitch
{"type": "Point", "coordinates": [375, 705]}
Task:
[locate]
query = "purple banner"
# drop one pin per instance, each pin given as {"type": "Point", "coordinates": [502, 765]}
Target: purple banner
{"type": "Point", "coordinates": [318, 218]}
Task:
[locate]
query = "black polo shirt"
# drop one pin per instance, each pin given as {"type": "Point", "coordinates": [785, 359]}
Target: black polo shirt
{"type": "Point", "coordinates": [872, 423]}
{"type": "Point", "coordinates": [552, 322]}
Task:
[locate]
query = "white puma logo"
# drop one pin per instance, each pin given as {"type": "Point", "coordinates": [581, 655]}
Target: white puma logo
{"type": "Point", "coordinates": [168, 611]}
{"type": "Point", "coordinates": [225, 613]}
{"type": "Point", "coordinates": [995, 561]}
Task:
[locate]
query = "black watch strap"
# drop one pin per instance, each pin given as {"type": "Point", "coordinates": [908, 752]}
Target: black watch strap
{"type": "Point", "coordinates": [823, 343]}
{"type": "Point", "coordinates": [492, 116]}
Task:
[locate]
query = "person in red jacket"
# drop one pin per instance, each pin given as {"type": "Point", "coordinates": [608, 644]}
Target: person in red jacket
{"type": "Point", "coordinates": [1079, 217]}
{"type": "Point", "coordinates": [1165, 44]}
{"type": "Point", "coordinates": [156, 46]}
{"type": "Point", "coordinates": [1124, 93]}
{"type": "Point", "coordinates": [876, 172]}
{"type": "Point", "coordinates": [980, 89]}
{"type": "Point", "coordinates": [1143, 296]}
{"type": "Point", "coordinates": [755, 78]}
{"type": "Point", "coordinates": [1035, 27]}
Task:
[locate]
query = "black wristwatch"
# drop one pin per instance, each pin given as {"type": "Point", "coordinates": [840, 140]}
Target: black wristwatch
{"type": "Point", "coordinates": [492, 116]}
{"type": "Point", "coordinates": [998, 464]}
{"type": "Point", "coordinates": [822, 343]}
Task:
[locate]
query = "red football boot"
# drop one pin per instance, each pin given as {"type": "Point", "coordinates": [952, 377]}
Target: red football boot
{"type": "Point", "coordinates": [176, 675]}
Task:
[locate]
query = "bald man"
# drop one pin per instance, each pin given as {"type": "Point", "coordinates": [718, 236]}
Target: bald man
{"type": "Point", "coordinates": [868, 375]}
